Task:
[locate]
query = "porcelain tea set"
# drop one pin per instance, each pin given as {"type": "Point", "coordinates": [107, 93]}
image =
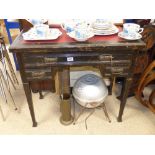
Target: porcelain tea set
{"type": "Point", "coordinates": [82, 30]}
{"type": "Point", "coordinates": [131, 31]}
{"type": "Point", "coordinates": [79, 30]}
{"type": "Point", "coordinates": [42, 32]}
{"type": "Point", "coordinates": [104, 27]}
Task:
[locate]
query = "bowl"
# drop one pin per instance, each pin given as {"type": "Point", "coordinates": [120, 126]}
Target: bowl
{"type": "Point", "coordinates": [90, 91]}
{"type": "Point", "coordinates": [81, 38]}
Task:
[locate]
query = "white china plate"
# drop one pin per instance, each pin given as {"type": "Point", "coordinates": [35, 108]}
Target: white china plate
{"type": "Point", "coordinates": [72, 35]}
{"type": "Point", "coordinates": [101, 24]}
{"type": "Point", "coordinates": [111, 27]}
{"type": "Point", "coordinates": [32, 35]}
{"type": "Point", "coordinates": [102, 27]}
{"type": "Point", "coordinates": [137, 36]}
{"type": "Point", "coordinates": [109, 31]}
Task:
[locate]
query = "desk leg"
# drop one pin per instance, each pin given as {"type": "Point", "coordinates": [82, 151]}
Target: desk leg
{"type": "Point", "coordinates": [53, 71]}
{"type": "Point", "coordinates": [30, 102]}
{"type": "Point", "coordinates": [65, 105]}
{"type": "Point", "coordinates": [112, 80]}
{"type": "Point", "coordinates": [124, 95]}
{"type": "Point", "coordinates": [27, 89]}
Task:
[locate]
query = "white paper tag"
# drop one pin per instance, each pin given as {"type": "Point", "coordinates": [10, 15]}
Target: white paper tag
{"type": "Point", "coordinates": [70, 59]}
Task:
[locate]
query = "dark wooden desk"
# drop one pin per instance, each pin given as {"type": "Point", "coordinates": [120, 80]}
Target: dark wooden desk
{"type": "Point", "coordinates": [39, 61]}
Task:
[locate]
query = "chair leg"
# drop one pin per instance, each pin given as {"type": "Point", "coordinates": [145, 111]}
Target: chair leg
{"type": "Point", "coordinates": [10, 80]}
{"type": "Point", "coordinates": [6, 81]}
{"type": "Point", "coordinates": [9, 91]}
{"type": "Point", "coordinates": [2, 113]}
{"type": "Point", "coordinates": [11, 68]}
{"type": "Point", "coordinates": [2, 90]}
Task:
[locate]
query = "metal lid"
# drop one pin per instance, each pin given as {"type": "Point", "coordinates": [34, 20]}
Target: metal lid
{"type": "Point", "coordinates": [90, 89]}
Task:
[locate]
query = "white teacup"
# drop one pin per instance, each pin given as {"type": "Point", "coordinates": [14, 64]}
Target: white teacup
{"type": "Point", "coordinates": [42, 30]}
{"type": "Point", "coordinates": [82, 32]}
{"type": "Point", "coordinates": [68, 25]}
{"type": "Point", "coordinates": [131, 28]}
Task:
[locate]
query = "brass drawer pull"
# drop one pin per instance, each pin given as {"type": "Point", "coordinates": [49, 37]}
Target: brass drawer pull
{"type": "Point", "coordinates": [38, 74]}
{"type": "Point", "coordinates": [117, 70]}
{"type": "Point", "coordinates": [106, 57]}
{"type": "Point", "coordinates": [49, 60]}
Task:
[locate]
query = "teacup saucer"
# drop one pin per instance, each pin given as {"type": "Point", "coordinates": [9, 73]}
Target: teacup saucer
{"type": "Point", "coordinates": [136, 36]}
{"type": "Point", "coordinates": [72, 35]}
{"type": "Point", "coordinates": [32, 35]}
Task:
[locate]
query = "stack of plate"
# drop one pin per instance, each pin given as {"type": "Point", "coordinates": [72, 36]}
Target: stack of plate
{"type": "Point", "coordinates": [102, 27]}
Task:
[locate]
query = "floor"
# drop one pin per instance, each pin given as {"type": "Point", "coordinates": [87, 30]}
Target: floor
{"type": "Point", "coordinates": [136, 119]}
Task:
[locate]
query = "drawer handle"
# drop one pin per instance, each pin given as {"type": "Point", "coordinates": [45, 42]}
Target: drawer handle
{"type": "Point", "coordinates": [106, 57]}
{"type": "Point", "coordinates": [49, 60]}
{"type": "Point", "coordinates": [38, 74]}
{"type": "Point", "coordinates": [117, 70]}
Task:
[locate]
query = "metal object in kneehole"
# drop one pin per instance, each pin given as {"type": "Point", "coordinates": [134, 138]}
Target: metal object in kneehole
{"type": "Point", "coordinates": [90, 91]}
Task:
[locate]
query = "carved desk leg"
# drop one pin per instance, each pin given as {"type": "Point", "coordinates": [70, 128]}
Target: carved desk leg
{"type": "Point", "coordinates": [27, 89]}
{"type": "Point", "coordinates": [30, 102]}
{"type": "Point", "coordinates": [65, 106]}
{"type": "Point", "coordinates": [124, 95]}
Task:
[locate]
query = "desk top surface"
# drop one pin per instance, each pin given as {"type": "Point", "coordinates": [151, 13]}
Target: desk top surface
{"type": "Point", "coordinates": [64, 42]}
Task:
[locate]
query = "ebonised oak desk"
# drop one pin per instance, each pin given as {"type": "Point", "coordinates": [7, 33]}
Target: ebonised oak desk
{"type": "Point", "coordinates": [39, 61]}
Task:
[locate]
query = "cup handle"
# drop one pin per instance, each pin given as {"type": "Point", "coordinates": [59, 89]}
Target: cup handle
{"type": "Point", "coordinates": [62, 26]}
{"type": "Point", "coordinates": [141, 30]}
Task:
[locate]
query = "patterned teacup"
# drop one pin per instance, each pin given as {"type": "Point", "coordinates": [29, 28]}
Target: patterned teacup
{"type": "Point", "coordinates": [81, 33]}
{"type": "Point", "coordinates": [131, 29]}
{"type": "Point", "coordinates": [68, 26]}
{"type": "Point", "coordinates": [82, 30]}
{"type": "Point", "coordinates": [42, 30]}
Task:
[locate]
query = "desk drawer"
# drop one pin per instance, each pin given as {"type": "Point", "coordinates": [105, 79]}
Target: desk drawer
{"type": "Point", "coordinates": [46, 60]}
{"type": "Point", "coordinates": [117, 70]}
{"type": "Point", "coordinates": [38, 74]}
{"type": "Point", "coordinates": [38, 60]}
{"type": "Point", "coordinates": [116, 60]}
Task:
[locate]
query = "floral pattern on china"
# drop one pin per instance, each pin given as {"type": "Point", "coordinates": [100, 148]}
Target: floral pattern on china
{"type": "Point", "coordinates": [131, 31]}
{"type": "Point", "coordinates": [80, 36]}
{"type": "Point", "coordinates": [135, 36]}
{"type": "Point", "coordinates": [81, 31]}
{"type": "Point", "coordinates": [32, 34]}
{"type": "Point", "coordinates": [70, 25]}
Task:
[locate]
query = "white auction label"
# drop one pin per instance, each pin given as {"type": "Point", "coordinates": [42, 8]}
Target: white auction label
{"type": "Point", "coordinates": [70, 59]}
